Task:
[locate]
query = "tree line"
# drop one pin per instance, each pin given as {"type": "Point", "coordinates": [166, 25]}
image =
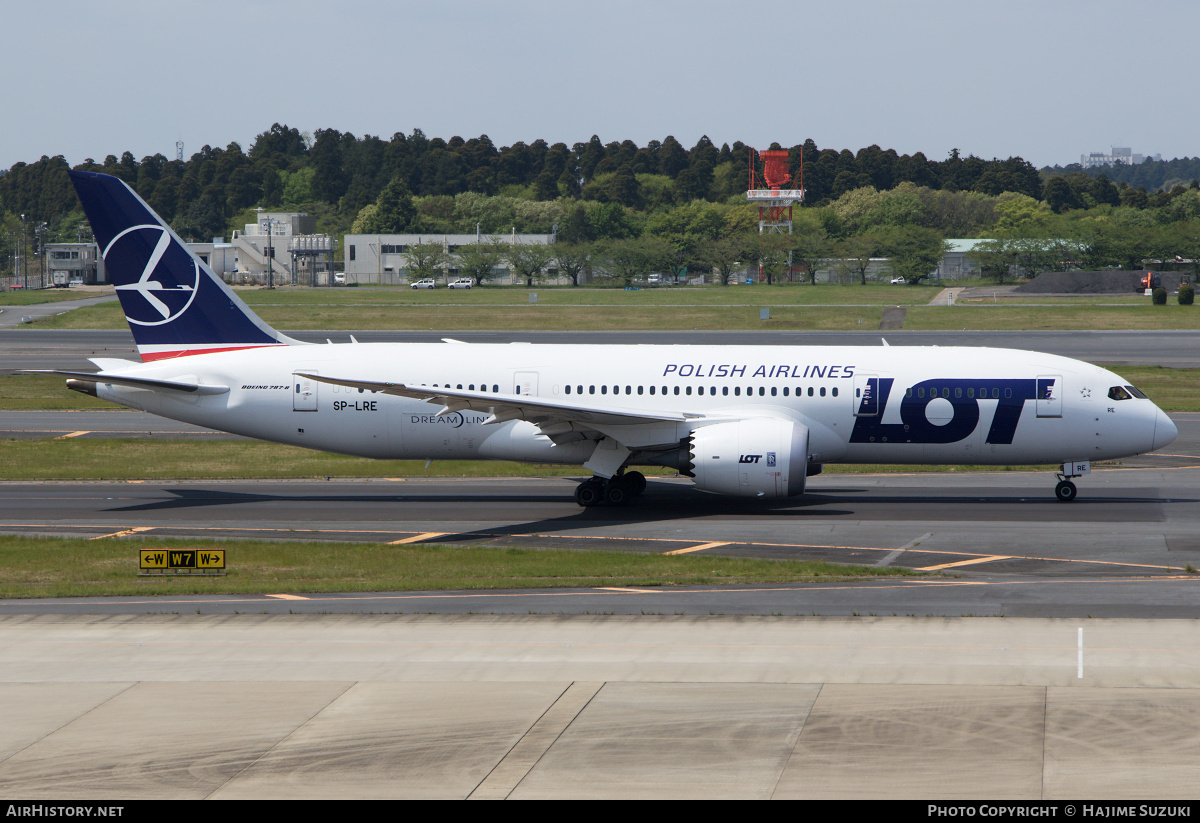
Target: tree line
{"type": "Point", "coordinates": [678, 208]}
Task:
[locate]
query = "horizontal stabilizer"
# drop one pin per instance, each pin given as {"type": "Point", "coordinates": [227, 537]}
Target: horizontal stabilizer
{"type": "Point", "coordinates": [134, 382]}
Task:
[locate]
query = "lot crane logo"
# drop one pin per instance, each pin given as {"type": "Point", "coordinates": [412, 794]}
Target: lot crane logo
{"type": "Point", "coordinates": [167, 277]}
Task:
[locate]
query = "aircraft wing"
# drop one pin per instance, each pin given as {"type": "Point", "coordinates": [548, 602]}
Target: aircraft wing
{"type": "Point", "coordinates": [135, 382]}
{"type": "Point", "coordinates": [504, 407]}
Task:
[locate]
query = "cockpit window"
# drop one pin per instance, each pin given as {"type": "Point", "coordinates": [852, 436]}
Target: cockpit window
{"type": "Point", "coordinates": [1117, 393]}
{"type": "Point", "coordinates": [1136, 393]}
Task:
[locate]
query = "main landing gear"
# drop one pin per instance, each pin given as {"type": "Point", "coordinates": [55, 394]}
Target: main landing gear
{"type": "Point", "coordinates": [616, 491]}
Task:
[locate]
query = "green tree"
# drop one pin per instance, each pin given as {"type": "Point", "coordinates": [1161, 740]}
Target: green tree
{"type": "Point", "coordinates": [297, 187]}
{"type": "Point", "coordinates": [628, 259]}
{"type": "Point", "coordinates": [425, 259]}
{"type": "Point", "coordinates": [573, 259]}
{"type": "Point", "coordinates": [774, 252]}
{"type": "Point", "coordinates": [529, 260]}
{"type": "Point", "coordinates": [393, 213]}
{"type": "Point", "coordinates": [856, 253]}
{"type": "Point", "coordinates": [995, 258]}
{"type": "Point", "coordinates": [811, 246]}
{"type": "Point", "coordinates": [727, 254]}
{"type": "Point", "coordinates": [913, 251]}
{"type": "Point", "coordinates": [479, 260]}
{"type": "Point", "coordinates": [1060, 196]}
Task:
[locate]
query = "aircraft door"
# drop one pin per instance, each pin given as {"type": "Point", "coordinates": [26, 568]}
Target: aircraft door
{"type": "Point", "coordinates": [866, 395]}
{"type": "Point", "coordinates": [525, 383]}
{"type": "Point", "coordinates": [304, 392]}
{"type": "Point", "coordinates": [1049, 395]}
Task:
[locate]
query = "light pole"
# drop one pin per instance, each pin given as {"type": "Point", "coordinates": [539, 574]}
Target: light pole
{"type": "Point", "coordinates": [25, 246]}
{"type": "Point", "coordinates": [270, 256]}
{"type": "Point", "coordinates": [40, 233]}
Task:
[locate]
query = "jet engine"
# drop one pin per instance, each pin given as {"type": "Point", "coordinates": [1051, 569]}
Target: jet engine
{"type": "Point", "coordinates": [755, 457]}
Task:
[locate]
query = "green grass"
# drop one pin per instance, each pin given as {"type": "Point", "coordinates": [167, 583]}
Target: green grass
{"type": "Point", "coordinates": [793, 307]}
{"type": "Point", "coordinates": [1173, 390]}
{"type": "Point", "coordinates": [44, 392]}
{"type": "Point", "coordinates": [35, 296]}
{"type": "Point", "coordinates": [139, 459]}
{"type": "Point", "coordinates": [718, 296]}
{"type": "Point", "coordinates": [64, 567]}
{"type": "Point", "coordinates": [1068, 317]}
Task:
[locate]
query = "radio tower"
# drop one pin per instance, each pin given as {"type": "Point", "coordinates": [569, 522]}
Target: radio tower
{"type": "Point", "coordinates": [774, 202]}
{"type": "Point", "coordinates": [179, 150]}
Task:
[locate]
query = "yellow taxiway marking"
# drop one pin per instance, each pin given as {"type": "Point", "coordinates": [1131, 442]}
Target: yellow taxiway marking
{"type": "Point", "coordinates": [416, 538]}
{"type": "Point", "coordinates": [72, 434]}
{"type": "Point", "coordinates": [634, 591]}
{"type": "Point", "coordinates": [287, 597]}
{"type": "Point", "coordinates": [699, 548]}
{"type": "Point", "coordinates": [429, 535]}
{"type": "Point", "coordinates": [970, 562]}
{"type": "Point", "coordinates": [125, 532]}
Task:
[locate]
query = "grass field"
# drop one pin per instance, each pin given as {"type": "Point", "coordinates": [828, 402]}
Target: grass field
{"type": "Point", "coordinates": [139, 459]}
{"type": "Point", "coordinates": [793, 307]}
{"type": "Point", "coordinates": [35, 296]}
{"type": "Point", "coordinates": [29, 392]}
{"type": "Point", "coordinates": [59, 567]}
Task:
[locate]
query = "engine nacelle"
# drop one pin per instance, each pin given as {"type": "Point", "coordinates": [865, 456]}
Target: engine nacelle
{"type": "Point", "coordinates": [757, 457]}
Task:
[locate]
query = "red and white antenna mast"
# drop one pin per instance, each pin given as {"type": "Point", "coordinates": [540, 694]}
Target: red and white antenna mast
{"type": "Point", "coordinates": [774, 201]}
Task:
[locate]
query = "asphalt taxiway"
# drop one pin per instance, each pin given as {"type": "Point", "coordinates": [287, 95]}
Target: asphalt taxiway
{"type": "Point", "coordinates": [1127, 546]}
{"type": "Point", "coordinates": [29, 348]}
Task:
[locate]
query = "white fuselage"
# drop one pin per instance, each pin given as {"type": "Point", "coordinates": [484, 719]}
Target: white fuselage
{"type": "Point", "coordinates": [861, 404]}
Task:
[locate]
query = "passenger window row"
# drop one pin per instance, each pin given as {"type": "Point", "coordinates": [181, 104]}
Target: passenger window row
{"type": "Point", "coordinates": [726, 391]}
{"type": "Point", "coordinates": [470, 387]}
{"type": "Point", "coordinates": [958, 392]}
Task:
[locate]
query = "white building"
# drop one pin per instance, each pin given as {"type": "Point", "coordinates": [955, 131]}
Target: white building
{"type": "Point", "coordinates": [1119, 156]}
{"type": "Point", "coordinates": [289, 242]}
{"type": "Point", "coordinates": [383, 258]}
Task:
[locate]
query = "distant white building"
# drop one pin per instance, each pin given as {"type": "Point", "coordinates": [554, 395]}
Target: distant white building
{"type": "Point", "coordinates": [1119, 156]}
{"type": "Point", "coordinates": [383, 258]}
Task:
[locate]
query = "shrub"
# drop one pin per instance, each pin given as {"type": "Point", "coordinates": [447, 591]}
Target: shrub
{"type": "Point", "coordinates": [1159, 296]}
{"type": "Point", "coordinates": [1187, 295]}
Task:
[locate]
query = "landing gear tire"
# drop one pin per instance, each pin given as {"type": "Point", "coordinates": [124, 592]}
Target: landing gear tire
{"type": "Point", "coordinates": [1065, 491]}
{"type": "Point", "coordinates": [589, 493]}
{"type": "Point", "coordinates": [617, 494]}
{"type": "Point", "coordinates": [634, 481]}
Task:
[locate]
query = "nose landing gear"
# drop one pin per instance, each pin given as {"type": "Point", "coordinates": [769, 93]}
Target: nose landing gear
{"type": "Point", "coordinates": [616, 491]}
{"type": "Point", "coordinates": [1065, 491]}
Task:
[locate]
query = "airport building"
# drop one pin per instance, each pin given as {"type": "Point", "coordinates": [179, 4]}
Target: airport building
{"type": "Point", "coordinates": [1119, 156]}
{"type": "Point", "coordinates": [284, 248]}
{"type": "Point", "coordinates": [956, 264]}
{"type": "Point", "coordinates": [75, 263]}
{"type": "Point", "coordinates": [383, 258]}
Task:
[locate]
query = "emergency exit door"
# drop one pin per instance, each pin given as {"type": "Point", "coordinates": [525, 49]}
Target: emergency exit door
{"type": "Point", "coordinates": [304, 392]}
{"type": "Point", "coordinates": [525, 383]}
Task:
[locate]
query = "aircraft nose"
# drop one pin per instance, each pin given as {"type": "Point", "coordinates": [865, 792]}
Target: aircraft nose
{"type": "Point", "coordinates": [1164, 430]}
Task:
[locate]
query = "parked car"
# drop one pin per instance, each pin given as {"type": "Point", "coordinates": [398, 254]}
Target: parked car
{"type": "Point", "coordinates": [339, 278]}
{"type": "Point", "coordinates": [427, 283]}
{"type": "Point", "coordinates": [462, 283]}
{"type": "Point", "coordinates": [899, 281]}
